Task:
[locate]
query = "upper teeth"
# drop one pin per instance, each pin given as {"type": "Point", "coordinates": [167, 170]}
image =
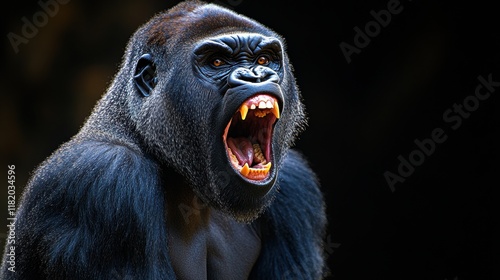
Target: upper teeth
{"type": "Point", "coordinates": [263, 102]}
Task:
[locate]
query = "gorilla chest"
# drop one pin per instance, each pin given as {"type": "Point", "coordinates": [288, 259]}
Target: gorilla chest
{"type": "Point", "coordinates": [216, 248]}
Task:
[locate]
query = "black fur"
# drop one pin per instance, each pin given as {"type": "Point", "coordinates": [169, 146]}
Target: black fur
{"type": "Point", "coordinates": [103, 206]}
{"type": "Point", "coordinates": [293, 228]}
{"type": "Point", "coordinates": [92, 210]}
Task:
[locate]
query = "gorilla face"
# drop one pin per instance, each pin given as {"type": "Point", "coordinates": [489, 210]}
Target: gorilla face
{"type": "Point", "coordinates": [224, 93]}
{"type": "Point", "coordinates": [246, 69]}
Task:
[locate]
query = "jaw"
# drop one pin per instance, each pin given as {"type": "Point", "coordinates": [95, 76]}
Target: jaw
{"type": "Point", "coordinates": [242, 158]}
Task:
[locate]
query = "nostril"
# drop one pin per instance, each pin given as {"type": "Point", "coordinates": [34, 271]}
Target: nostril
{"type": "Point", "coordinates": [265, 74]}
{"type": "Point", "coordinates": [242, 76]}
{"type": "Point", "coordinates": [271, 77]}
{"type": "Point", "coordinates": [258, 74]}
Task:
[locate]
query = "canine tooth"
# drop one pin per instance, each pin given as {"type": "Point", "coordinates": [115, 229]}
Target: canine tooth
{"type": "Point", "coordinates": [243, 111]}
{"type": "Point", "coordinates": [276, 110]}
{"type": "Point", "coordinates": [245, 170]}
{"type": "Point", "coordinates": [267, 167]}
{"type": "Point", "coordinates": [269, 104]}
{"type": "Point", "coordinates": [253, 107]}
{"type": "Point", "coordinates": [262, 105]}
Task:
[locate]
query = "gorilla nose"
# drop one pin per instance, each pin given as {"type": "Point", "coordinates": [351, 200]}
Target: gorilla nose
{"type": "Point", "coordinates": [259, 74]}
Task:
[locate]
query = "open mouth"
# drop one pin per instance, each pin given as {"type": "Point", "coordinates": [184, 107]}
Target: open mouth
{"type": "Point", "coordinates": [247, 136]}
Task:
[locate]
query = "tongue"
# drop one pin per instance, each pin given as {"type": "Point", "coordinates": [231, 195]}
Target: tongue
{"type": "Point", "coordinates": [242, 149]}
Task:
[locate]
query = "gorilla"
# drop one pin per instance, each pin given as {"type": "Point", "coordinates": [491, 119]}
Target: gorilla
{"type": "Point", "coordinates": [185, 169]}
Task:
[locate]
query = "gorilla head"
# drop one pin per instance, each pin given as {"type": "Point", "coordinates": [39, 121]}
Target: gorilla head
{"type": "Point", "coordinates": [211, 94]}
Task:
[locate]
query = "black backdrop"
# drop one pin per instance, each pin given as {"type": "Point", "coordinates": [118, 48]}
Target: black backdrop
{"type": "Point", "coordinates": [403, 80]}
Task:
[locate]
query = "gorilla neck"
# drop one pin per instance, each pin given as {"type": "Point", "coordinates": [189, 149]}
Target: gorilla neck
{"type": "Point", "coordinates": [110, 122]}
{"type": "Point", "coordinates": [203, 242]}
{"type": "Point", "coordinates": [186, 213]}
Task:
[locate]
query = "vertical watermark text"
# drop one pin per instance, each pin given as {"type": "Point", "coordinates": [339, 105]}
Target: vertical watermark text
{"type": "Point", "coordinates": [11, 218]}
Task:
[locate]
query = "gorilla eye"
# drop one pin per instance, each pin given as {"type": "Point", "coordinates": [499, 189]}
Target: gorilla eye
{"type": "Point", "coordinates": [218, 62]}
{"type": "Point", "coordinates": [263, 60]}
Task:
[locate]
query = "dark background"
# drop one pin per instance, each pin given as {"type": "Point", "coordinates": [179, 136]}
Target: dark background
{"type": "Point", "coordinates": [437, 224]}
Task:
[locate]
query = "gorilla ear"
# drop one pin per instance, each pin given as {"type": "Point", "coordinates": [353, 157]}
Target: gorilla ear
{"type": "Point", "coordinates": [145, 74]}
